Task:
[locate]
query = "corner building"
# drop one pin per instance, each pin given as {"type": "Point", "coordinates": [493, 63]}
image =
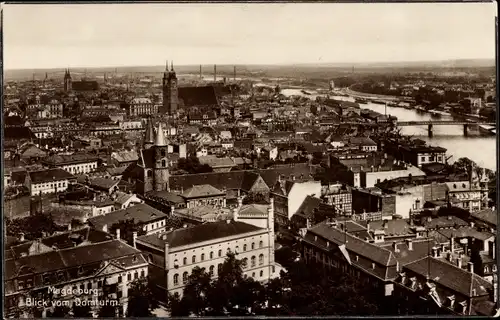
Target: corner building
{"type": "Point", "coordinates": [173, 255]}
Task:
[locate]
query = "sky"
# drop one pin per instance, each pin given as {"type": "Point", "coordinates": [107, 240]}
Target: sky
{"type": "Point", "coordinates": [106, 35]}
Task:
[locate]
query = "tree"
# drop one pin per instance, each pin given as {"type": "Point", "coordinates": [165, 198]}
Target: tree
{"type": "Point", "coordinates": [82, 311]}
{"type": "Point", "coordinates": [33, 226]}
{"type": "Point", "coordinates": [192, 165]}
{"type": "Point", "coordinates": [141, 300]}
{"type": "Point", "coordinates": [59, 312]}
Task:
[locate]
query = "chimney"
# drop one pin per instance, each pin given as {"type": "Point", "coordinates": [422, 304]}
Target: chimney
{"type": "Point", "coordinates": [429, 219]}
{"type": "Point", "coordinates": [434, 252]}
{"type": "Point", "coordinates": [397, 266]}
{"type": "Point", "coordinates": [361, 168]}
{"type": "Point", "coordinates": [472, 224]}
{"type": "Point", "coordinates": [172, 210]}
{"type": "Point", "coordinates": [235, 214]}
{"type": "Point", "coordinates": [69, 226]}
{"type": "Point", "coordinates": [452, 244]}
{"type": "Point", "coordinates": [395, 247]}
{"type": "Point", "coordinates": [215, 72]}
{"type": "Point", "coordinates": [409, 243]}
{"type": "Point", "coordinates": [449, 256]}
{"type": "Point", "coordinates": [166, 255]}
{"type": "Point", "coordinates": [234, 71]}
{"type": "Point", "coordinates": [470, 266]}
{"type": "Point", "coordinates": [240, 202]}
{"type": "Point", "coordinates": [368, 226]}
{"type": "Point", "coordinates": [21, 236]}
{"type": "Point", "coordinates": [134, 239]}
{"type": "Point", "coordinates": [385, 155]}
{"type": "Point", "coordinates": [201, 77]}
{"type": "Point", "coordinates": [459, 263]}
{"type": "Point", "coordinates": [373, 168]}
{"type": "Point", "coordinates": [270, 215]}
{"type": "Point", "coordinates": [118, 234]}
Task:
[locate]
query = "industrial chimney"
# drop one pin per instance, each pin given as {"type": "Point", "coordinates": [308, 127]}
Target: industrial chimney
{"type": "Point", "coordinates": [215, 73]}
{"type": "Point", "coordinates": [201, 76]}
{"type": "Point", "coordinates": [234, 73]}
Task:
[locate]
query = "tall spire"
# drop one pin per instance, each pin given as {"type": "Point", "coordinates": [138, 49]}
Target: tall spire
{"type": "Point", "coordinates": [160, 137]}
{"type": "Point", "coordinates": [150, 133]}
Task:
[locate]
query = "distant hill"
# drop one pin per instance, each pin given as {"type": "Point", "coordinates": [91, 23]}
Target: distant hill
{"type": "Point", "coordinates": [302, 69]}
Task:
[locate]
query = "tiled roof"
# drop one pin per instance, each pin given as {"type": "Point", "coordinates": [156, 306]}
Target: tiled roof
{"type": "Point", "coordinates": [140, 213]}
{"type": "Point", "coordinates": [59, 160]}
{"type": "Point", "coordinates": [230, 180]}
{"type": "Point", "coordinates": [450, 276]}
{"type": "Point", "coordinates": [49, 175]}
{"type": "Point", "coordinates": [215, 162]}
{"type": "Point", "coordinates": [204, 190]}
{"type": "Point", "coordinates": [71, 257]}
{"type": "Point", "coordinates": [443, 222]}
{"type": "Point", "coordinates": [126, 156]}
{"type": "Point", "coordinates": [165, 195]}
{"type": "Point", "coordinates": [466, 232]}
{"type": "Point", "coordinates": [395, 227]}
{"type": "Point", "coordinates": [486, 215]}
{"type": "Point", "coordinates": [253, 209]}
{"type": "Point", "coordinates": [371, 251]}
{"type": "Point", "coordinates": [103, 183]}
{"type": "Point", "coordinates": [421, 248]}
{"type": "Point", "coordinates": [198, 96]}
{"type": "Point", "coordinates": [200, 233]}
{"type": "Point", "coordinates": [310, 205]}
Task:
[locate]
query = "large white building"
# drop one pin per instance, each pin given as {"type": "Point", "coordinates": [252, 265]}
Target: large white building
{"type": "Point", "coordinates": [174, 254]}
{"type": "Point", "coordinates": [48, 181]}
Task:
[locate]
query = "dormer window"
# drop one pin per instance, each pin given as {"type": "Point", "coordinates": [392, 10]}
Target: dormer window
{"type": "Point", "coordinates": [413, 283]}
{"type": "Point", "coordinates": [463, 304]}
{"type": "Point", "coordinates": [494, 268]}
{"type": "Point", "coordinates": [486, 269]}
{"type": "Point", "coordinates": [454, 186]}
{"type": "Point", "coordinates": [373, 265]}
{"type": "Point", "coordinates": [451, 301]}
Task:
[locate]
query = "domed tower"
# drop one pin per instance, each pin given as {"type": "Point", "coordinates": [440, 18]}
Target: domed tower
{"type": "Point", "coordinates": [67, 81]}
{"type": "Point", "coordinates": [170, 91]}
{"type": "Point", "coordinates": [161, 172]}
{"type": "Point", "coordinates": [149, 139]}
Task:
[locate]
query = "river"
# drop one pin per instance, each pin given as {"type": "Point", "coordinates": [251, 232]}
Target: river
{"type": "Point", "coordinates": [480, 149]}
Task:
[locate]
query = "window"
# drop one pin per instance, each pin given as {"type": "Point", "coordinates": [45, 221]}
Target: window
{"type": "Point", "coordinates": [143, 274]}
{"type": "Point", "coordinates": [236, 249]}
{"type": "Point", "coordinates": [20, 284]}
{"type": "Point", "coordinates": [99, 284]}
{"type": "Point", "coordinates": [261, 244]}
{"type": "Point", "coordinates": [244, 263]}
{"type": "Point", "coordinates": [202, 257]}
{"type": "Point", "coordinates": [163, 163]}
{"type": "Point", "coordinates": [245, 247]}
{"type": "Point", "coordinates": [120, 279]}
{"type": "Point", "coordinates": [136, 275]}
{"type": "Point", "coordinates": [89, 285]}
{"type": "Point", "coordinates": [176, 279]}
{"type": "Point", "coordinates": [219, 268]}
{"type": "Point", "coordinates": [211, 254]}
{"type": "Point", "coordinates": [261, 273]}
{"type": "Point", "coordinates": [185, 261]}
{"type": "Point", "coordinates": [253, 274]}
{"type": "Point", "coordinates": [253, 245]}
{"type": "Point", "coordinates": [163, 153]}
{"type": "Point", "coordinates": [184, 278]}
{"type": "Point", "coordinates": [252, 262]}
{"type": "Point", "coordinates": [220, 253]}
{"type": "Point", "coordinates": [193, 259]}
{"type": "Point", "coordinates": [261, 259]}
{"type": "Point", "coordinates": [211, 271]}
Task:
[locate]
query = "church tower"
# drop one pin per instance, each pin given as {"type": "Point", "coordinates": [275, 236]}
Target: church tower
{"type": "Point", "coordinates": [161, 174]}
{"type": "Point", "coordinates": [149, 139]}
{"type": "Point", "coordinates": [170, 91]}
{"type": "Point", "coordinates": [67, 81]}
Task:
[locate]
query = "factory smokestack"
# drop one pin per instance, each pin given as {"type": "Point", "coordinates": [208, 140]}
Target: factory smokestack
{"type": "Point", "coordinates": [234, 73]}
{"type": "Point", "coordinates": [201, 76]}
{"type": "Point", "coordinates": [215, 72]}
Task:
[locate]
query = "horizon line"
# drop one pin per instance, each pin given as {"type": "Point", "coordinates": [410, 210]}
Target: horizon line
{"type": "Point", "coordinates": [347, 64]}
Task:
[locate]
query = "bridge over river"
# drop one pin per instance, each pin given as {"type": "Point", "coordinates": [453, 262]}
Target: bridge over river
{"type": "Point", "coordinates": [431, 123]}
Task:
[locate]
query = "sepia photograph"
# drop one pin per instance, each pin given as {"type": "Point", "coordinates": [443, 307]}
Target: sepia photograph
{"type": "Point", "coordinates": [249, 160]}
